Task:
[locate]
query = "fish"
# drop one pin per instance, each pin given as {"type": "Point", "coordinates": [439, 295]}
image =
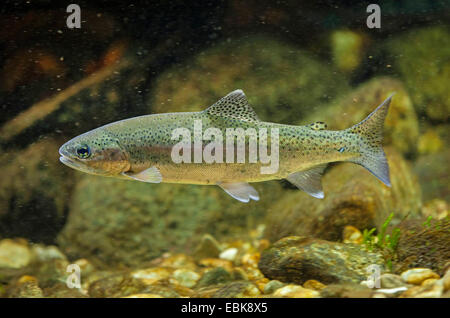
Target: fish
{"type": "Point", "coordinates": [148, 149]}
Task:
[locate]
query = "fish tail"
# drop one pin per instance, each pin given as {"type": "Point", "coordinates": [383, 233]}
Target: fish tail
{"type": "Point", "coordinates": [372, 156]}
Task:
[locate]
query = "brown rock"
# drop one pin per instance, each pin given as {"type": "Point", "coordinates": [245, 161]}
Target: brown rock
{"type": "Point", "coordinates": [298, 259]}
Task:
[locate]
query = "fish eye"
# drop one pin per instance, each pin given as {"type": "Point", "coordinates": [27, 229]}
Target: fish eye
{"type": "Point", "coordinates": [83, 152]}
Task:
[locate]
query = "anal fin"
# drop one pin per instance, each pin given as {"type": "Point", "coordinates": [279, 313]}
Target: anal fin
{"type": "Point", "coordinates": [309, 180]}
{"type": "Point", "coordinates": [151, 175]}
{"type": "Point", "coordinates": [241, 191]}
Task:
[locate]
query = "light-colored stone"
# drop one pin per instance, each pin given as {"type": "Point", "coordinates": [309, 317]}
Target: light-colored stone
{"type": "Point", "coordinates": [392, 292]}
{"type": "Point", "coordinates": [14, 254]}
{"type": "Point", "coordinates": [229, 254]}
{"type": "Point", "coordinates": [44, 253]}
{"type": "Point", "coordinates": [185, 277]}
{"type": "Point", "coordinates": [151, 275]}
{"type": "Point", "coordinates": [417, 275]}
{"type": "Point", "coordinates": [295, 291]}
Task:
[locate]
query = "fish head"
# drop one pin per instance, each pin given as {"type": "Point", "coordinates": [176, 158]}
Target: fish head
{"type": "Point", "coordinates": [95, 152]}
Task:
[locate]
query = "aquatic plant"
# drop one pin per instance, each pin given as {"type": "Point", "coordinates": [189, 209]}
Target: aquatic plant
{"type": "Point", "coordinates": [387, 244]}
{"type": "Point", "coordinates": [381, 240]}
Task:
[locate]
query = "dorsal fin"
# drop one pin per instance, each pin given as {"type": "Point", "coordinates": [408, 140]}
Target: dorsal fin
{"type": "Point", "coordinates": [234, 105]}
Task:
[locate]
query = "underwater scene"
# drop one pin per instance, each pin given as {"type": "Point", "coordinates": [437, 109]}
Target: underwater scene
{"type": "Point", "coordinates": [225, 149]}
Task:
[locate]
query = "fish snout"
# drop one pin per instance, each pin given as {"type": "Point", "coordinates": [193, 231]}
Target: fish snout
{"type": "Point", "coordinates": [63, 152]}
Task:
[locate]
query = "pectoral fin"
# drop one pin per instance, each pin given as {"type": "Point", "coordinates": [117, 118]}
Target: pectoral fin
{"type": "Point", "coordinates": [241, 191]}
{"type": "Point", "coordinates": [309, 180]}
{"type": "Point", "coordinates": [151, 175]}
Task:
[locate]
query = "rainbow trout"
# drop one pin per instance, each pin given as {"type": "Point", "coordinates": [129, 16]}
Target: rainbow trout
{"type": "Point", "coordinates": [226, 145]}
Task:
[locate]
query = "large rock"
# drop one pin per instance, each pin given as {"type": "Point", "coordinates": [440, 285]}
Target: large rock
{"type": "Point", "coordinates": [401, 128]}
{"type": "Point", "coordinates": [34, 192]}
{"type": "Point", "coordinates": [298, 259]}
{"type": "Point", "coordinates": [129, 222]}
{"type": "Point", "coordinates": [282, 82]}
{"type": "Point", "coordinates": [422, 58]}
{"type": "Point", "coordinates": [353, 196]}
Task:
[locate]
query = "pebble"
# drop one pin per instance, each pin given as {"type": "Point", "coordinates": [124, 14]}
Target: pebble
{"type": "Point", "coordinates": [151, 275]}
{"type": "Point", "coordinates": [240, 289]}
{"type": "Point", "coordinates": [351, 234]}
{"type": "Point", "coordinates": [216, 262]}
{"type": "Point", "coordinates": [391, 291]}
{"type": "Point", "coordinates": [295, 291]}
{"type": "Point", "coordinates": [446, 280]}
{"type": "Point", "coordinates": [14, 254]}
{"type": "Point", "coordinates": [208, 247]}
{"type": "Point", "coordinates": [26, 287]}
{"type": "Point", "coordinates": [238, 273]}
{"type": "Point", "coordinates": [214, 276]}
{"type": "Point", "coordinates": [178, 261]}
{"type": "Point", "coordinates": [251, 259]}
{"type": "Point", "coordinates": [185, 277]}
{"type": "Point", "coordinates": [253, 273]}
{"type": "Point", "coordinates": [314, 284]}
{"type": "Point", "coordinates": [272, 286]}
{"type": "Point", "coordinates": [429, 281]}
{"type": "Point", "coordinates": [86, 267]}
{"type": "Point", "coordinates": [417, 275]}
{"type": "Point", "coordinates": [229, 254]}
{"type": "Point", "coordinates": [428, 291]}
{"type": "Point", "coordinates": [261, 284]}
{"type": "Point", "coordinates": [143, 296]}
{"type": "Point", "coordinates": [388, 280]}
{"type": "Point", "coordinates": [262, 244]}
{"type": "Point", "coordinates": [44, 253]}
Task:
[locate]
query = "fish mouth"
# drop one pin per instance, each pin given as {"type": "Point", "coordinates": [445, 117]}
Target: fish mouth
{"type": "Point", "coordinates": [72, 163]}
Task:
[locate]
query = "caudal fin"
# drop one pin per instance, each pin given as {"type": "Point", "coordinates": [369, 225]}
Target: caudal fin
{"type": "Point", "coordinates": [372, 155]}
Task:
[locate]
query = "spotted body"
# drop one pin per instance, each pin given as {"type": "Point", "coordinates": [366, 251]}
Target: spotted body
{"type": "Point", "coordinates": [140, 148]}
